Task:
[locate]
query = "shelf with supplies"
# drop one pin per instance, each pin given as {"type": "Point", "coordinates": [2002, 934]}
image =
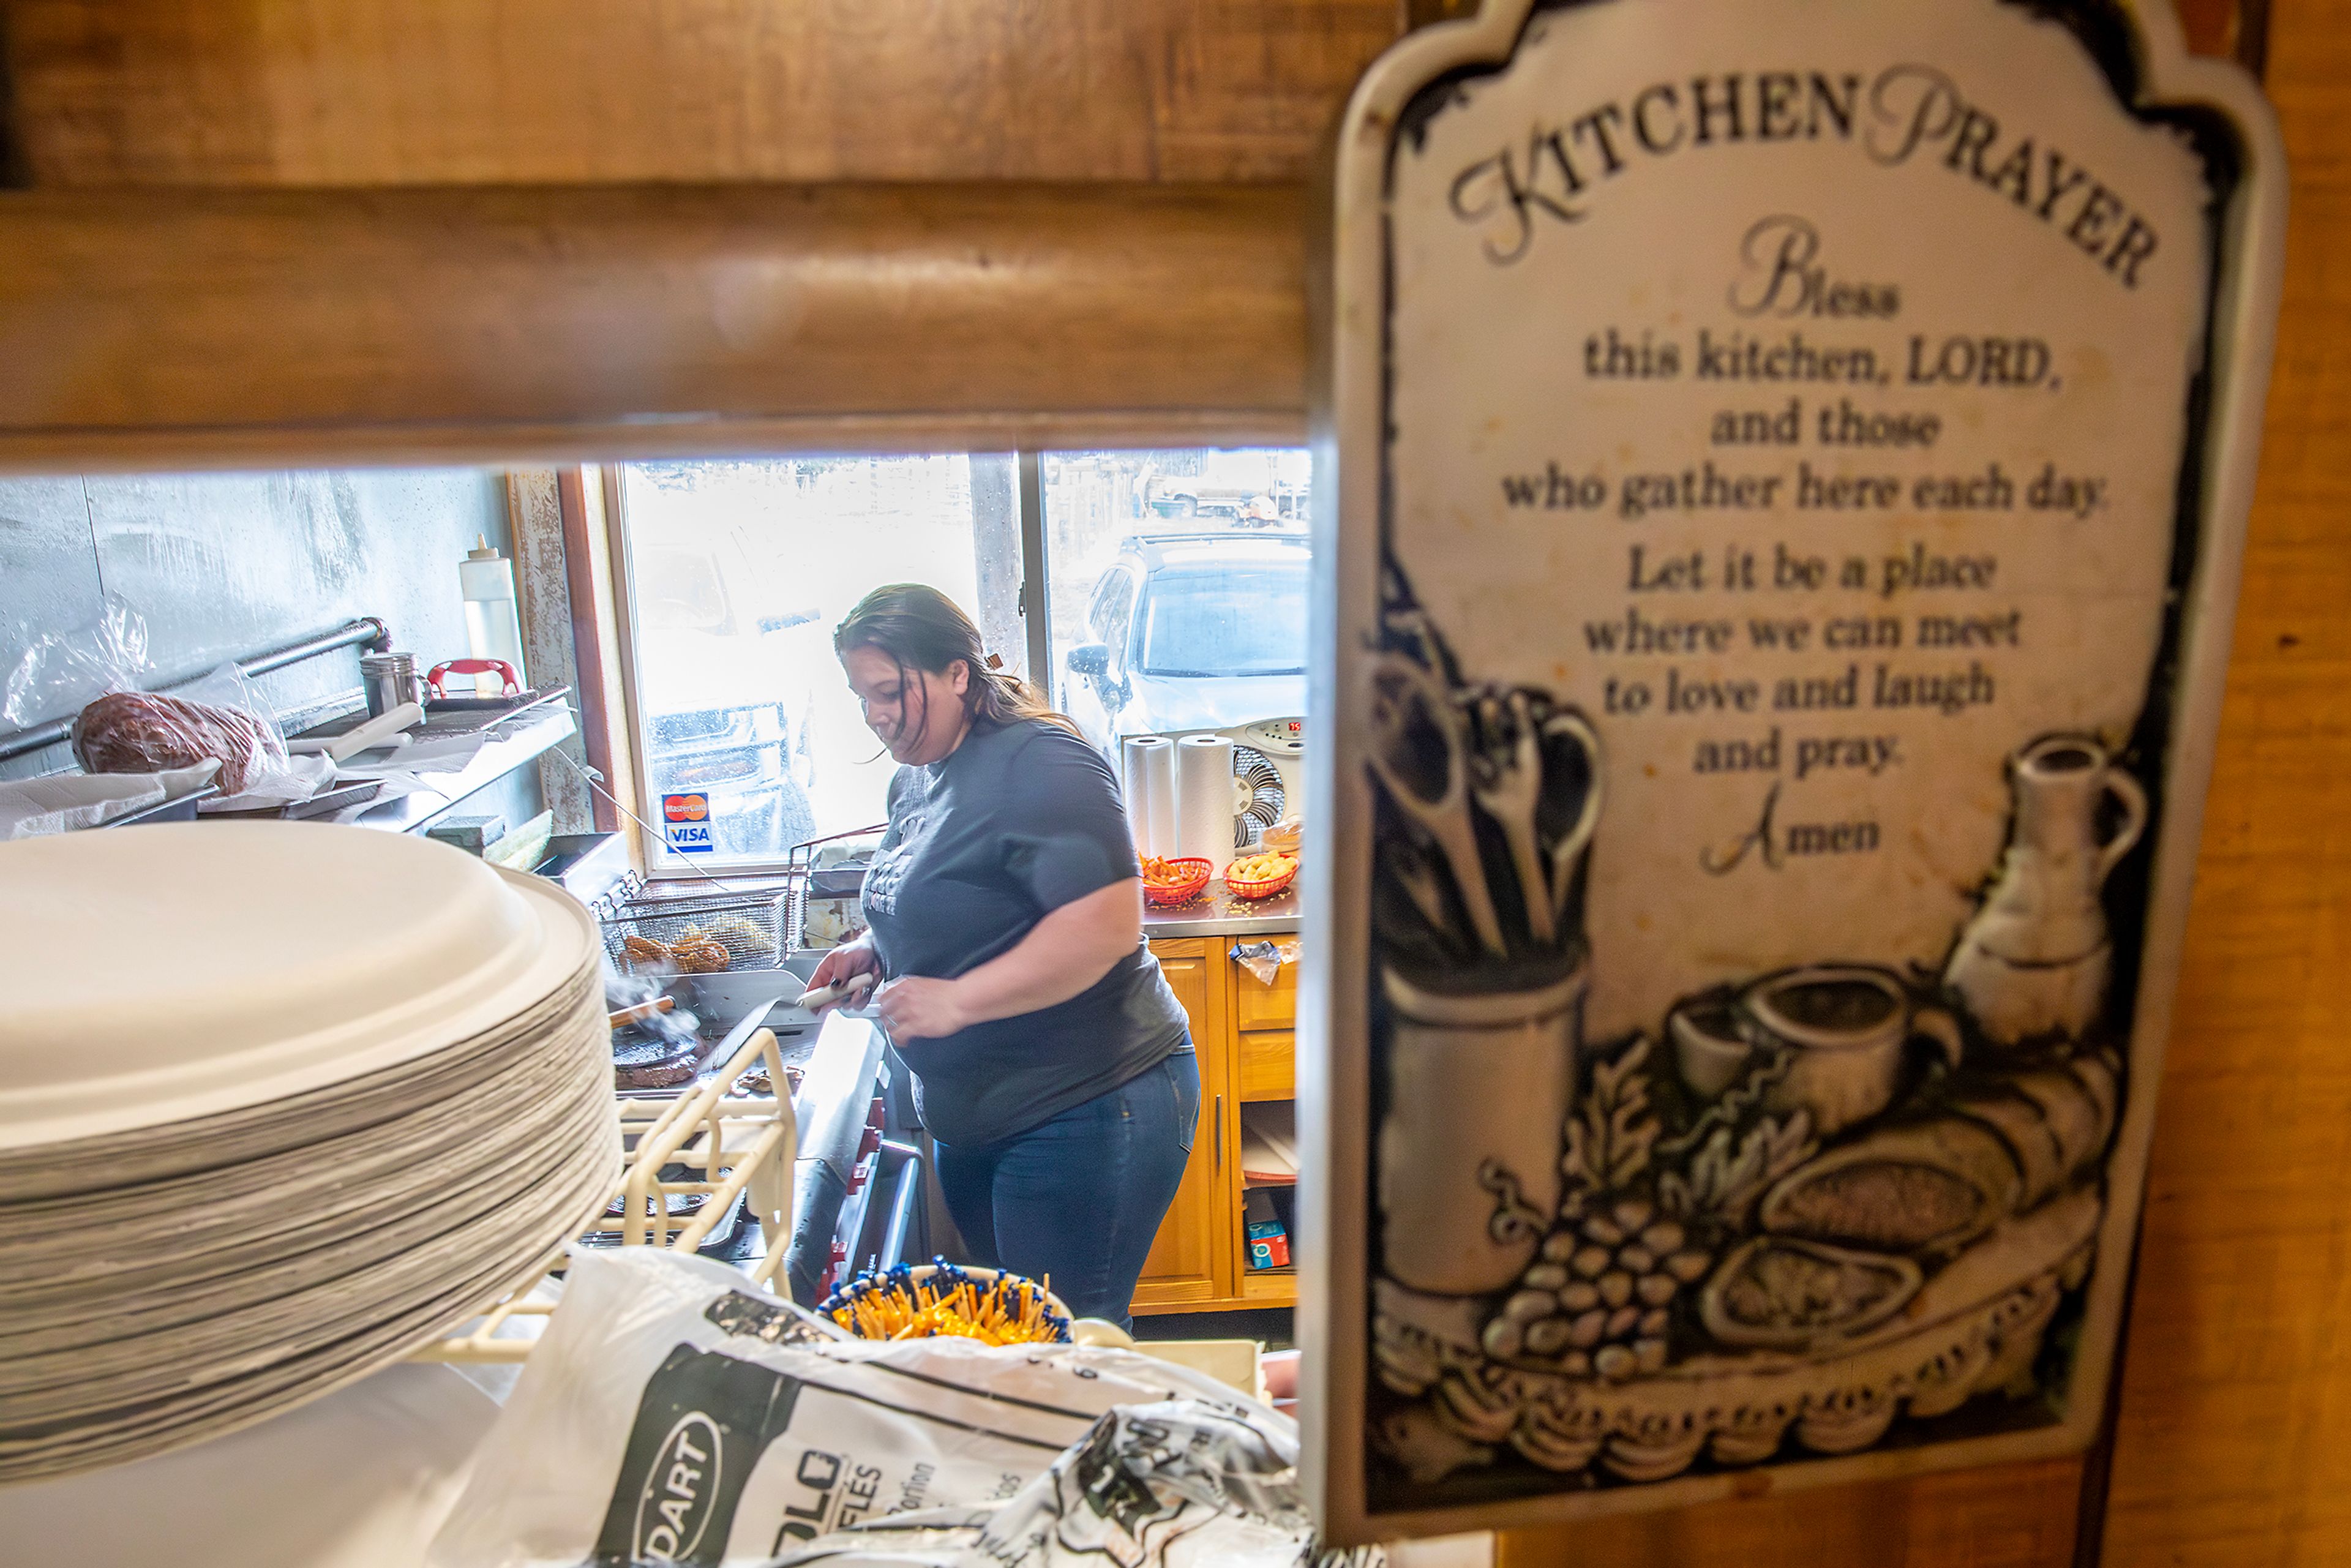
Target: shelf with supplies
{"type": "Point", "coordinates": [515, 741]}
{"type": "Point", "coordinates": [479, 741]}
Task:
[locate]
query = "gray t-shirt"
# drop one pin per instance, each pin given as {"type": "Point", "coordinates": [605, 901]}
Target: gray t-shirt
{"type": "Point", "coordinates": [1018, 820]}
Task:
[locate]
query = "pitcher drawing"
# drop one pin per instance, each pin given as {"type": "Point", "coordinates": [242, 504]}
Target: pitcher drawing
{"type": "Point", "coordinates": [2036, 959]}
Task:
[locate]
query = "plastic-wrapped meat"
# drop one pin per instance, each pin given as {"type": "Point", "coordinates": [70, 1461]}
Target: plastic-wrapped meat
{"type": "Point", "coordinates": [144, 732]}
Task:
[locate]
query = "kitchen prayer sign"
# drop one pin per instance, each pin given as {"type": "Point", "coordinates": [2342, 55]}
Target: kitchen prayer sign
{"type": "Point", "coordinates": [1785, 471]}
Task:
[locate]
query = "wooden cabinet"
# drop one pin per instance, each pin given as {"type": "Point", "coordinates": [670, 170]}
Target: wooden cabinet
{"type": "Point", "coordinates": [1192, 1262]}
{"type": "Point", "coordinates": [1258, 1005]}
{"type": "Point", "coordinates": [1242, 1029]}
{"type": "Point", "coordinates": [1266, 1064]}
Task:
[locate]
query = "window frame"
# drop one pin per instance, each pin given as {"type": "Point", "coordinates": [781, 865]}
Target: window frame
{"type": "Point", "coordinates": [661, 864]}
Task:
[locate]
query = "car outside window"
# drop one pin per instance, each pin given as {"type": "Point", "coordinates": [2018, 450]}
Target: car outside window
{"type": "Point", "coordinates": [1113, 600]}
{"type": "Point", "coordinates": [1186, 570]}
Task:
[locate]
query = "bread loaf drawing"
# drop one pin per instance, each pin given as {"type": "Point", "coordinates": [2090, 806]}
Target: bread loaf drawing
{"type": "Point", "coordinates": [1938, 1183]}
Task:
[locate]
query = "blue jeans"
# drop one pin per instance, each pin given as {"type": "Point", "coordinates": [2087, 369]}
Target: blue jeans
{"type": "Point", "coordinates": [1081, 1198]}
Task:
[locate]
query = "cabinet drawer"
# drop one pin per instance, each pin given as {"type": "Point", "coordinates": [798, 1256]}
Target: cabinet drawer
{"type": "Point", "coordinates": [1269, 1065]}
{"type": "Point", "coordinates": [1267, 1006]}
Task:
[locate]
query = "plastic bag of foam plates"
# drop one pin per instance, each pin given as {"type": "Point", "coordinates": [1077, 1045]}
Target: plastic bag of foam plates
{"type": "Point", "coordinates": [1179, 1485]}
{"type": "Point", "coordinates": [673, 1414]}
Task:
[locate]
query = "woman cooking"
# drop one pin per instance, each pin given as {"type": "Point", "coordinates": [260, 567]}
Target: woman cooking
{"type": "Point", "coordinates": [1051, 1063]}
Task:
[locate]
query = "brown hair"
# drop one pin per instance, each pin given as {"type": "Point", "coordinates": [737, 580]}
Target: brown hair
{"type": "Point", "coordinates": [923, 629]}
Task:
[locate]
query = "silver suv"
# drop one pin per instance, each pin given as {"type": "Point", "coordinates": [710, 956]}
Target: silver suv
{"type": "Point", "coordinates": [1192, 632]}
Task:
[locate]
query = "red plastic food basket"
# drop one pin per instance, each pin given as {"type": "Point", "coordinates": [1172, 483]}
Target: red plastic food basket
{"type": "Point", "coordinates": [1169, 894]}
{"type": "Point", "coordinates": [1266, 889]}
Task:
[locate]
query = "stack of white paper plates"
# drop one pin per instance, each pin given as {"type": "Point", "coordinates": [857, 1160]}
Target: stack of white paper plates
{"type": "Point", "coordinates": [282, 1102]}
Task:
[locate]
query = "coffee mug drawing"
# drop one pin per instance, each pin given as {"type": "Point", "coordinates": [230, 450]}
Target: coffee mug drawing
{"type": "Point", "coordinates": [1845, 1026]}
{"type": "Point", "coordinates": [1711, 1047]}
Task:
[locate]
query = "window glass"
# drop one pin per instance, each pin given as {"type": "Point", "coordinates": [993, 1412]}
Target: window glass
{"type": "Point", "coordinates": [679, 591]}
{"type": "Point", "coordinates": [738, 572]}
{"type": "Point", "coordinates": [1194, 561]}
{"type": "Point", "coordinates": [1234, 614]}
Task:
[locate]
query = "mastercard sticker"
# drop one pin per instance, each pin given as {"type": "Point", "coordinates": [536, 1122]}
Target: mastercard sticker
{"type": "Point", "coordinates": [685, 829]}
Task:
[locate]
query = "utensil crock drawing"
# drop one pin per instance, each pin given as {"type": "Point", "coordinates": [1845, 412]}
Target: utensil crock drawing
{"type": "Point", "coordinates": [1843, 1027]}
{"type": "Point", "coordinates": [2035, 959]}
{"type": "Point", "coordinates": [1563, 732]}
{"type": "Point", "coordinates": [1477, 1085]}
{"type": "Point", "coordinates": [1422, 759]}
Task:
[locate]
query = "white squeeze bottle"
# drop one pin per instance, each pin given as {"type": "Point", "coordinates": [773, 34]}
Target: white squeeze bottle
{"type": "Point", "coordinates": [493, 626]}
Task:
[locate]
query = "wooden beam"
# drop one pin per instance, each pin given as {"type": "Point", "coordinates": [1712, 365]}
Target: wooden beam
{"type": "Point", "coordinates": [408, 92]}
{"type": "Point", "coordinates": [177, 329]}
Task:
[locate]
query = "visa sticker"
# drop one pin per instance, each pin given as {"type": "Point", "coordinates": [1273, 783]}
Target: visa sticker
{"type": "Point", "coordinates": [686, 824]}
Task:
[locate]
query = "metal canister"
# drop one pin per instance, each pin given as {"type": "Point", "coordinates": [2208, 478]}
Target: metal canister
{"type": "Point", "coordinates": [390, 680]}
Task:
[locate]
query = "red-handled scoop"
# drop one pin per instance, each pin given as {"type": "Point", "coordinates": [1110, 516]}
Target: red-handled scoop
{"type": "Point", "coordinates": [470, 667]}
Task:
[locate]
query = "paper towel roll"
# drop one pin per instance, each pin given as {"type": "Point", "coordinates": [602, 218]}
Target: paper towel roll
{"type": "Point", "coordinates": [1204, 791]}
{"type": "Point", "coordinates": [1151, 793]}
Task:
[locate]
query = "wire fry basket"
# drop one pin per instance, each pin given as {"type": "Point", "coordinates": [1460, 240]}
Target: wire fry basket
{"type": "Point", "coordinates": [748, 925]}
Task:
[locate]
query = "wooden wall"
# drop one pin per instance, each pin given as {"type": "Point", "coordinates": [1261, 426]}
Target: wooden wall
{"type": "Point", "coordinates": [2233, 1444]}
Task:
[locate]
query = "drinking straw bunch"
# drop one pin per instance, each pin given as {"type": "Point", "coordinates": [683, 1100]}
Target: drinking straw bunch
{"type": "Point", "coordinates": [895, 1305]}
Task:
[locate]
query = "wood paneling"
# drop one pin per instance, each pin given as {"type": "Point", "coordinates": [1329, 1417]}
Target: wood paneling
{"type": "Point", "coordinates": [2017, 1516]}
{"type": "Point", "coordinates": [363, 93]}
{"type": "Point", "coordinates": [2219, 26]}
{"type": "Point", "coordinates": [341, 92]}
{"type": "Point", "coordinates": [227, 328]}
{"type": "Point", "coordinates": [2234, 1442]}
{"type": "Point", "coordinates": [550, 645]}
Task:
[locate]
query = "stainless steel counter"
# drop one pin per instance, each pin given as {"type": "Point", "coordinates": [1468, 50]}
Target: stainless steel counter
{"type": "Point", "coordinates": [1219, 914]}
